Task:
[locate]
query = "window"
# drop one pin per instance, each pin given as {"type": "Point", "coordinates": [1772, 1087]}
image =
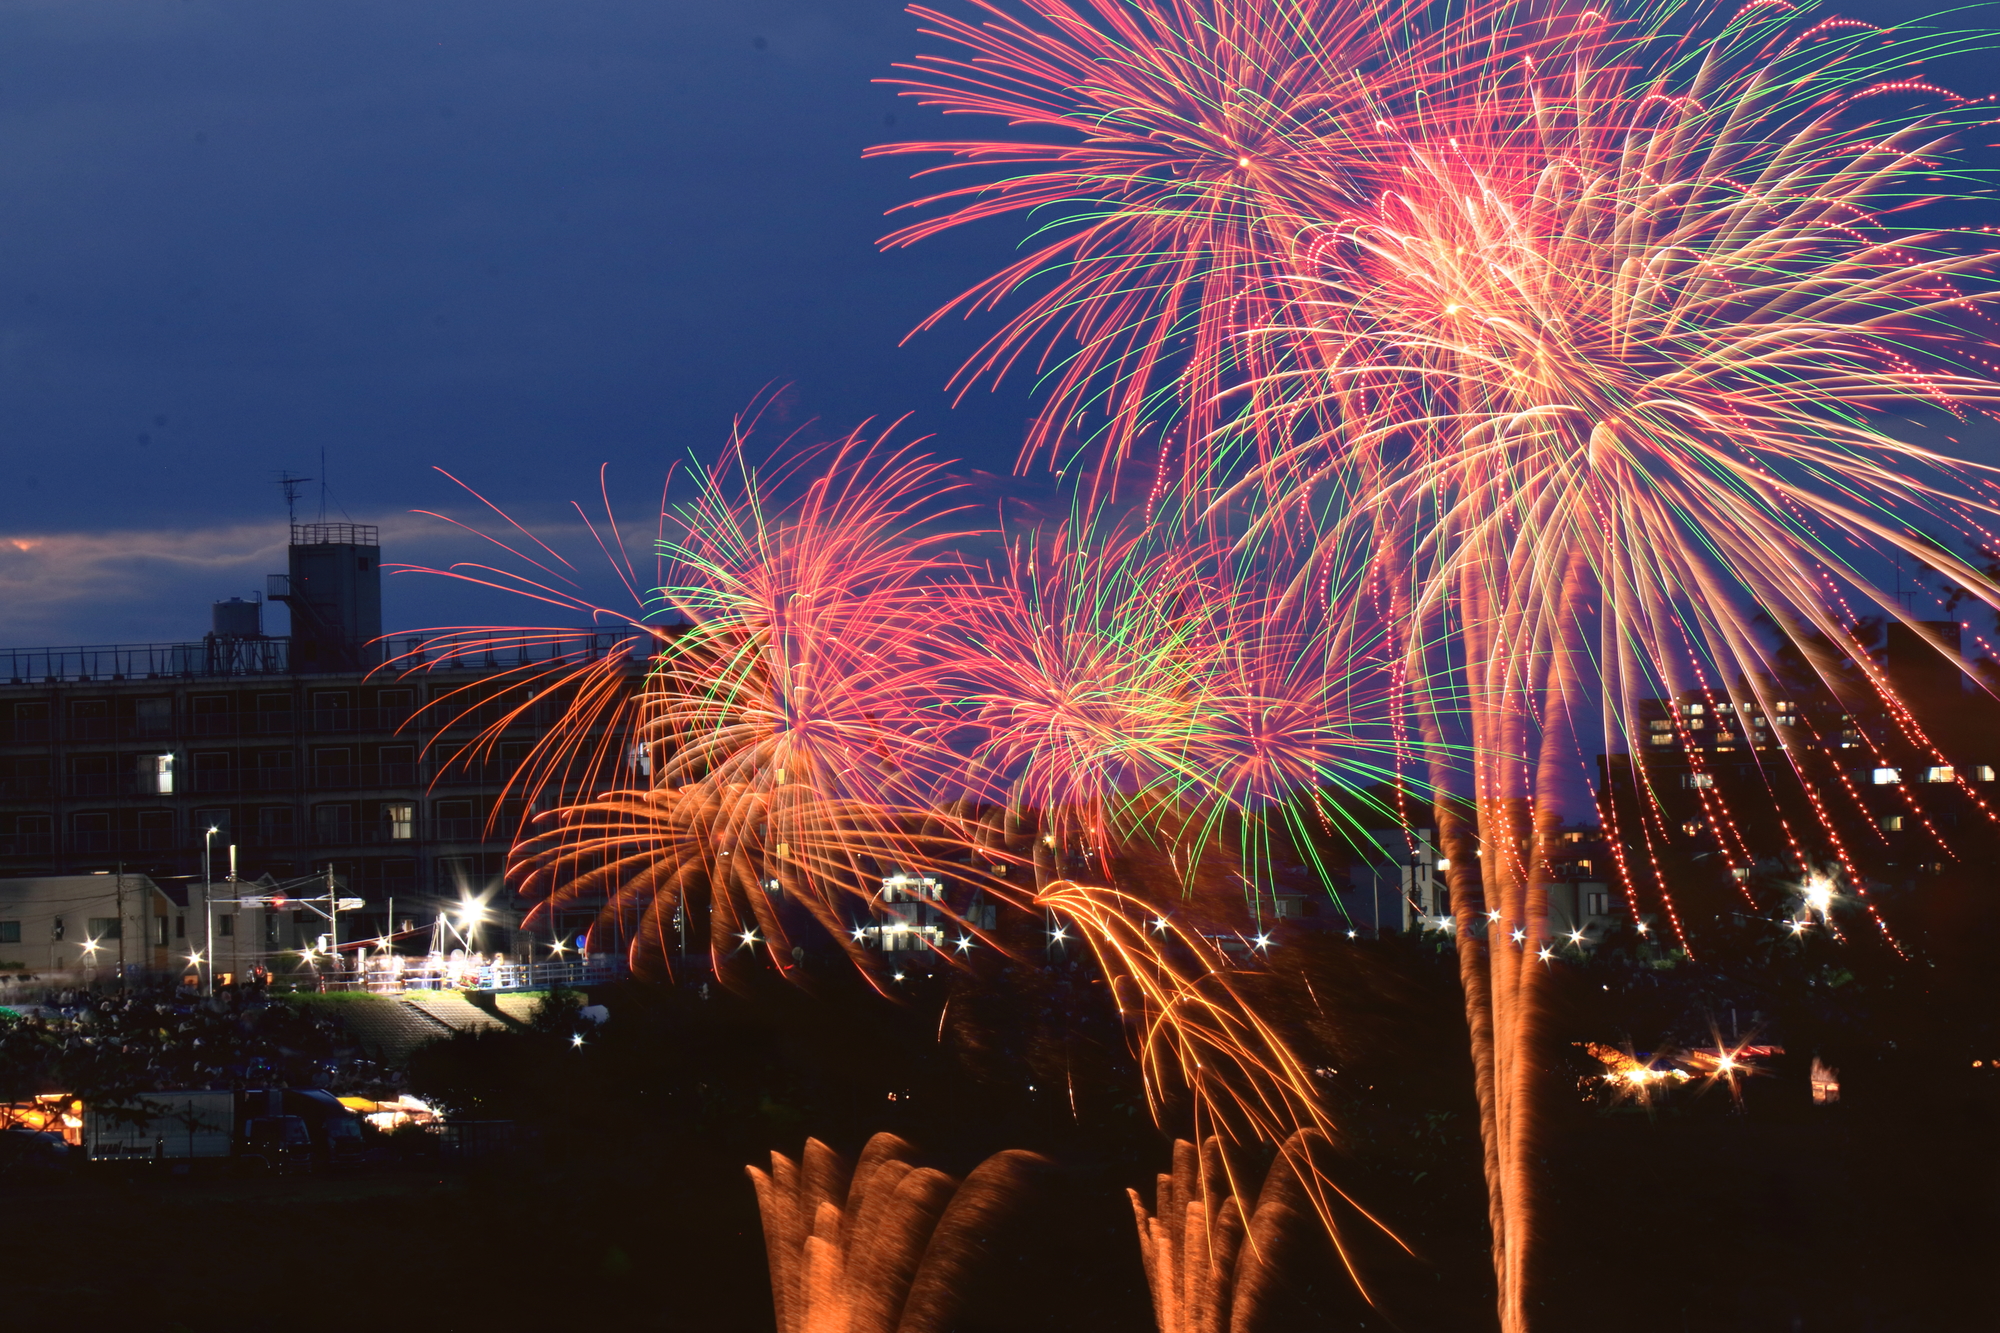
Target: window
{"type": "Point", "coordinates": [1741, 874]}
{"type": "Point", "coordinates": [33, 833]}
{"type": "Point", "coordinates": [159, 932]}
{"type": "Point", "coordinates": [1663, 738]}
{"type": "Point", "coordinates": [92, 831]}
{"type": "Point", "coordinates": [156, 774]}
{"type": "Point", "coordinates": [1887, 777]}
{"type": "Point", "coordinates": [10, 932]}
{"type": "Point", "coordinates": [1597, 904]}
{"type": "Point", "coordinates": [226, 924]}
{"type": "Point", "coordinates": [274, 824]}
{"type": "Point", "coordinates": [400, 821]}
{"type": "Point", "coordinates": [1785, 706]}
{"type": "Point", "coordinates": [454, 819]}
{"type": "Point", "coordinates": [1892, 823]}
{"type": "Point", "coordinates": [1697, 781]}
{"type": "Point", "coordinates": [1584, 866]}
{"type": "Point", "coordinates": [1982, 772]}
{"type": "Point", "coordinates": [333, 823]}
{"type": "Point", "coordinates": [274, 770]}
{"type": "Point", "coordinates": [217, 819]}
{"type": "Point", "coordinates": [1695, 710]}
{"type": "Point", "coordinates": [104, 928]}
{"type": "Point", "coordinates": [396, 699]}
{"type": "Point", "coordinates": [1661, 724]}
{"type": "Point", "coordinates": [180, 927]}
{"type": "Point", "coordinates": [271, 920]}
{"type": "Point", "coordinates": [399, 764]}
{"type": "Point", "coordinates": [153, 717]}
{"type": "Point", "coordinates": [1940, 773]}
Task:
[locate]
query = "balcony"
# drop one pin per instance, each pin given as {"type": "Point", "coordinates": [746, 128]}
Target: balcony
{"type": "Point", "coordinates": [210, 781]}
{"type": "Point", "coordinates": [117, 784]}
{"type": "Point", "coordinates": [124, 840]}
{"type": "Point", "coordinates": [353, 777]}
{"type": "Point", "coordinates": [330, 720]}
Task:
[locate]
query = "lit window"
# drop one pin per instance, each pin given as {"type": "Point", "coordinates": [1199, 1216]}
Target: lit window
{"type": "Point", "coordinates": [1661, 724]}
{"type": "Point", "coordinates": [1982, 772]}
{"type": "Point", "coordinates": [1739, 873]}
{"type": "Point", "coordinates": [1697, 723]}
{"type": "Point", "coordinates": [1940, 773]}
{"type": "Point", "coordinates": [1698, 781]}
{"type": "Point", "coordinates": [1892, 823]}
{"type": "Point", "coordinates": [400, 820]}
{"type": "Point", "coordinates": [1786, 706]}
{"type": "Point", "coordinates": [156, 774]}
{"type": "Point", "coordinates": [1887, 777]}
{"type": "Point", "coordinates": [1661, 738]}
{"type": "Point", "coordinates": [1695, 710]}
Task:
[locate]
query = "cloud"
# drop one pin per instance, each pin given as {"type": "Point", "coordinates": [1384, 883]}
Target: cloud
{"type": "Point", "coordinates": [155, 585]}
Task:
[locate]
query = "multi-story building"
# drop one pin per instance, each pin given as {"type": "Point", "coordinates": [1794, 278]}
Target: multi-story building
{"type": "Point", "coordinates": [1715, 788]}
{"type": "Point", "coordinates": [1577, 879]}
{"type": "Point", "coordinates": [300, 752]}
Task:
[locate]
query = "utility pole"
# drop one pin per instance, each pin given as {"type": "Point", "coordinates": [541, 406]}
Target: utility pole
{"type": "Point", "coordinates": [121, 925]}
{"type": "Point", "coordinates": [332, 922]}
{"type": "Point", "coordinates": [208, 902]}
{"type": "Point", "coordinates": [232, 893]}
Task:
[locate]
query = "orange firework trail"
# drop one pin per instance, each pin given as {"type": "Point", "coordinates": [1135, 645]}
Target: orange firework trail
{"type": "Point", "coordinates": [849, 701]}
{"type": "Point", "coordinates": [1577, 333]}
{"type": "Point", "coordinates": [793, 737]}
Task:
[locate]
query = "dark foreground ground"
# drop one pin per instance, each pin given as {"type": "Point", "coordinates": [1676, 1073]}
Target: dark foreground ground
{"type": "Point", "coordinates": [1877, 1215]}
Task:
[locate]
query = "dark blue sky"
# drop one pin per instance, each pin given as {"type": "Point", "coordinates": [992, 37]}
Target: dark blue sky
{"type": "Point", "coordinates": [511, 238]}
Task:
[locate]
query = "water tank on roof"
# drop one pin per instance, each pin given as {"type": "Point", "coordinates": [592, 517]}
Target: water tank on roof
{"type": "Point", "coordinates": [238, 619]}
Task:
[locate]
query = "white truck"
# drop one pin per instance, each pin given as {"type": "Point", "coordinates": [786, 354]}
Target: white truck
{"type": "Point", "coordinates": [276, 1129]}
{"type": "Point", "coordinates": [165, 1126]}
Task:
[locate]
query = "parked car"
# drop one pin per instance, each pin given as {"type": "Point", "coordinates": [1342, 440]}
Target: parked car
{"type": "Point", "coordinates": [31, 1152]}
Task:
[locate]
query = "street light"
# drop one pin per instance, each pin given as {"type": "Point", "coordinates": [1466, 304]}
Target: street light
{"type": "Point", "coordinates": [207, 903]}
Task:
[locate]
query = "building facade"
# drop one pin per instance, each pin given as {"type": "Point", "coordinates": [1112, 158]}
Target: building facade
{"type": "Point", "coordinates": [299, 752]}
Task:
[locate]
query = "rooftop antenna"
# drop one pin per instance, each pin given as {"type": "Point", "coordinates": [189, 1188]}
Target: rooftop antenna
{"type": "Point", "coordinates": [291, 484]}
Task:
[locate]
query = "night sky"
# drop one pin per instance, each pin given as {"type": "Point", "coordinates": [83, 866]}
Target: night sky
{"type": "Point", "coordinates": [514, 239]}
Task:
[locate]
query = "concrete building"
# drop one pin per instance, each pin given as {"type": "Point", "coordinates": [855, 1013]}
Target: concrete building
{"type": "Point", "coordinates": [92, 928]}
{"type": "Point", "coordinates": [300, 751]}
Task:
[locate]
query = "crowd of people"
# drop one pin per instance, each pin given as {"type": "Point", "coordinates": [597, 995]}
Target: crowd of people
{"type": "Point", "coordinates": [110, 1042]}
